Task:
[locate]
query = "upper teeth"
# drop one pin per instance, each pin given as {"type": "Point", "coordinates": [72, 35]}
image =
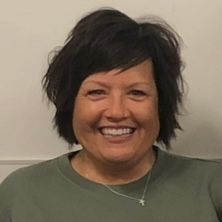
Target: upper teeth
{"type": "Point", "coordinates": [115, 132]}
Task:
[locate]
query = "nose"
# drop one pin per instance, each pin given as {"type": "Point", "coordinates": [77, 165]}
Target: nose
{"type": "Point", "coordinates": [117, 108]}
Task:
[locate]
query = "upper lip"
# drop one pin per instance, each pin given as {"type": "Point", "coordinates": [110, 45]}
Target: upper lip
{"type": "Point", "coordinates": [116, 127]}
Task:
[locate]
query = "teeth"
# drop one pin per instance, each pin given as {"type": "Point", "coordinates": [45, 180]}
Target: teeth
{"type": "Point", "coordinates": [116, 132]}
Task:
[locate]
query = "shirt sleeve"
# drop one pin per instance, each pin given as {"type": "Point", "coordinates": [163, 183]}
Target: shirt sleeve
{"type": "Point", "coordinates": [7, 196]}
{"type": "Point", "coordinates": [5, 201]}
{"type": "Point", "coordinates": [216, 189]}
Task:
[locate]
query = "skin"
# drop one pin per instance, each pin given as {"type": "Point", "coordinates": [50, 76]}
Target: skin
{"type": "Point", "coordinates": [117, 100]}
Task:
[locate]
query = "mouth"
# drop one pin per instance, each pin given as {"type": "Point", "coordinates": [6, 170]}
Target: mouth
{"type": "Point", "coordinates": [116, 131]}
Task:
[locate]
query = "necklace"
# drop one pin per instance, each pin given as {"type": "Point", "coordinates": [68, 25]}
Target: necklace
{"type": "Point", "coordinates": [141, 200]}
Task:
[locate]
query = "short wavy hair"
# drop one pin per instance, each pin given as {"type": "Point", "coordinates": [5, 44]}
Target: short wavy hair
{"type": "Point", "coordinates": [107, 39]}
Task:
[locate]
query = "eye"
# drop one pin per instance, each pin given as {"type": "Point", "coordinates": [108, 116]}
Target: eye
{"type": "Point", "coordinates": [96, 93]}
{"type": "Point", "coordinates": [137, 94]}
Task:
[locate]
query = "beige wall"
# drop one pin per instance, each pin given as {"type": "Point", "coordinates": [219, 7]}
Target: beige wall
{"type": "Point", "coordinates": [30, 29]}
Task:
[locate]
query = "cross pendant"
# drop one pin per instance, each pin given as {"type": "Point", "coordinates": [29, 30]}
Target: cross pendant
{"type": "Point", "coordinates": [142, 202]}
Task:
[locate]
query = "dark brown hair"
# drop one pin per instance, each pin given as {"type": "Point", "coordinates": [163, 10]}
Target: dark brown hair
{"type": "Point", "coordinates": [107, 39]}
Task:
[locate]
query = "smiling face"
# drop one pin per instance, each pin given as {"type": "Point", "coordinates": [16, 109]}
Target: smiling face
{"type": "Point", "coordinates": [115, 115]}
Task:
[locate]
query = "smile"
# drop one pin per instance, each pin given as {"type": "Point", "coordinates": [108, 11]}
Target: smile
{"type": "Point", "coordinates": [116, 131]}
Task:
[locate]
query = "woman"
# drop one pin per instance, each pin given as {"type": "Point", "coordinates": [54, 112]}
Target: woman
{"type": "Point", "coordinates": [117, 88]}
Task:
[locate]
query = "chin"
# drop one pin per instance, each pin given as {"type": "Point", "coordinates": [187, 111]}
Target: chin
{"type": "Point", "coordinates": [119, 156]}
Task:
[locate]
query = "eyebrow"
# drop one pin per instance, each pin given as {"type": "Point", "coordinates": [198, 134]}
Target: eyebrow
{"type": "Point", "coordinates": [106, 85]}
{"type": "Point", "coordinates": [140, 83]}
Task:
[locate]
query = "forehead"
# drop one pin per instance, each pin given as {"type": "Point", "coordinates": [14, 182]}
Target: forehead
{"type": "Point", "coordinates": [140, 73]}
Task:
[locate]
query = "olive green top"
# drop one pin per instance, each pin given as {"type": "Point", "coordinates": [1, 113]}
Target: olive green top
{"type": "Point", "coordinates": [180, 189]}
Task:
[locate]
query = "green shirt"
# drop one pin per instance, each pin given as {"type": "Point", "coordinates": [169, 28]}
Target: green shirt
{"type": "Point", "coordinates": [180, 189]}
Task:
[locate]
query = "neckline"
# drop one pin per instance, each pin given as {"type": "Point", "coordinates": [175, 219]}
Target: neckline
{"type": "Point", "coordinates": [65, 168]}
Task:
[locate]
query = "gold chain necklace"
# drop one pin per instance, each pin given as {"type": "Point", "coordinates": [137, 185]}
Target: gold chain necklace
{"type": "Point", "coordinates": [141, 200]}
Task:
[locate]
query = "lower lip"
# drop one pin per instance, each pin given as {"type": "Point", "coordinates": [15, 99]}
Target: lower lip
{"type": "Point", "coordinates": [118, 139]}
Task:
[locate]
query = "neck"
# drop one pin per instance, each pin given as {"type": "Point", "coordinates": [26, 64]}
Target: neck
{"type": "Point", "coordinates": [112, 173]}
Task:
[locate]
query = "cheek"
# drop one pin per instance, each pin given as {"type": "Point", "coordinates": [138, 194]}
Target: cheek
{"type": "Point", "coordinates": [78, 118]}
{"type": "Point", "coordinates": [85, 116]}
{"type": "Point", "coordinates": [147, 117]}
{"type": "Point", "coordinates": [147, 112]}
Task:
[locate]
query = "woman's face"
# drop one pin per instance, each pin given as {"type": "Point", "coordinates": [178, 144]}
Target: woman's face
{"type": "Point", "coordinates": [115, 115]}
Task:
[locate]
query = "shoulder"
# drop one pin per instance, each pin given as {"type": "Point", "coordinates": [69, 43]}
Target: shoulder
{"type": "Point", "coordinates": [200, 161]}
{"type": "Point", "coordinates": [27, 184]}
{"type": "Point", "coordinates": [203, 172]}
{"type": "Point", "coordinates": [208, 167]}
{"type": "Point", "coordinates": [198, 175]}
{"type": "Point", "coordinates": [30, 172]}
{"type": "Point", "coordinates": [190, 169]}
{"type": "Point", "coordinates": [26, 179]}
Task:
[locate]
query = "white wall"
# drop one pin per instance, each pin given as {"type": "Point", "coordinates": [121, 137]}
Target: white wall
{"type": "Point", "coordinates": [31, 29]}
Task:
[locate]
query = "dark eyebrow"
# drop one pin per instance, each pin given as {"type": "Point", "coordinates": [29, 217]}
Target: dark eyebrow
{"type": "Point", "coordinates": [140, 83]}
{"type": "Point", "coordinates": [105, 85]}
{"type": "Point", "coordinates": [96, 82]}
